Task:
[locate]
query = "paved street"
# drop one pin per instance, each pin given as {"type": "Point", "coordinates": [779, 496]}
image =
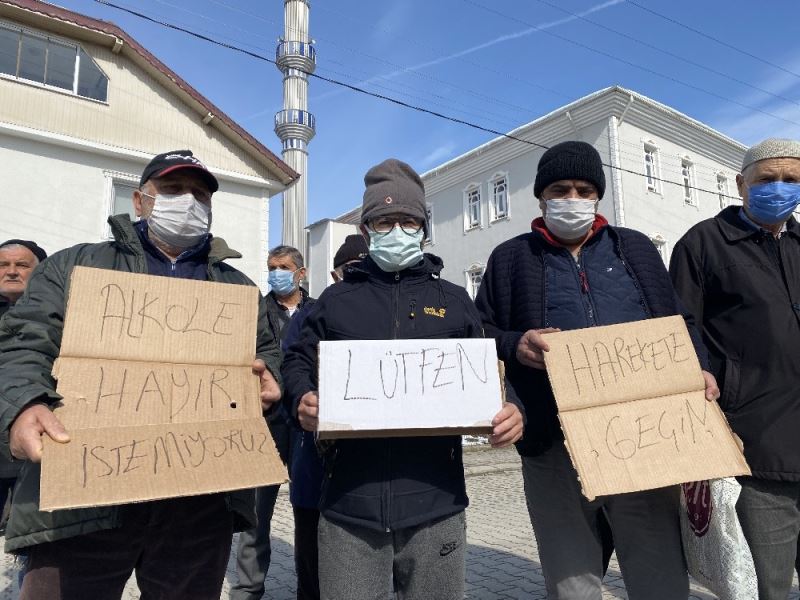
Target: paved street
{"type": "Point", "coordinates": [502, 558]}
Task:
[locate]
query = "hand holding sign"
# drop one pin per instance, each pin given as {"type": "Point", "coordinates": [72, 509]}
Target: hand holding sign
{"type": "Point", "coordinates": [531, 347]}
{"type": "Point", "coordinates": [270, 390]}
{"type": "Point", "coordinates": [507, 426]}
{"type": "Point", "coordinates": [25, 437]}
{"type": "Point", "coordinates": [308, 411]}
{"type": "Point", "coordinates": [712, 390]}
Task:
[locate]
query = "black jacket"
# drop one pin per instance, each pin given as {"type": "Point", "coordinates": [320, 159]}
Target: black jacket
{"type": "Point", "coordinates": [9, 469]}
{"type": "Point", "coordinates": [512, 300]}
{"type": "Point", "coordinates": [386, 483]}
{"type": "Point", "coordinates": [743, 286]}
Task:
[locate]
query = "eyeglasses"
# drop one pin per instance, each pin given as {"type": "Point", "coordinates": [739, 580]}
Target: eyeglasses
{"type": "Point", "coordinates": [409, 225]}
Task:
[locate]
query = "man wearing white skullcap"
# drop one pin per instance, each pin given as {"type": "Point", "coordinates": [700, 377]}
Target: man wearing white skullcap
{"type": "Point", "coordinates": [739, 274]}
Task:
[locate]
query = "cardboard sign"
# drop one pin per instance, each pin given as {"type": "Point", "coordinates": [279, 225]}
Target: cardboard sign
{"type": "Point", "coordinates": [631, 401]}
{"type": "Point", "coordinates": [384, 388]}
{"type": "Point", "coordinates": [159, 397]}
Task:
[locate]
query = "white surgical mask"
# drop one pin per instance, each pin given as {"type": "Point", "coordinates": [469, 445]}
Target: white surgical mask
{"type": "Point", "coordinates": [180, 221]}
{"type": "Point", "coordinates": [569, 219]}
{"type": "Point", "coordinates": [396, 250]}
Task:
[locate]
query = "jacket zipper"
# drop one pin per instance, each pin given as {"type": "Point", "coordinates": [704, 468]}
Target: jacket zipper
{"type": "Point", "coordinates": [387, 503]}
{"type": "Point", "coordinates": [630, 272]}
{"type": "Point", "coordinates": [584, 283]}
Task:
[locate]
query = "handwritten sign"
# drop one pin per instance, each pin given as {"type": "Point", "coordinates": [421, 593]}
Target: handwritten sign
{"type": "Point", "coordinates": [158, 392]}
{"type": "Point", "coordinates": [385, 388]}
{"type": "Point", "coordinates": [631, 401]}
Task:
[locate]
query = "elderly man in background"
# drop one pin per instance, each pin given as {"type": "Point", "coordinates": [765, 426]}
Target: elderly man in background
{"type": "Point", "coordinates": [18, 259]}
{"type": "Point", "coordinates": [739, 274]}
{"type": "Point", "coordinates": [178, 547]}
{"type": "Point", "coordinates": [284, 301]}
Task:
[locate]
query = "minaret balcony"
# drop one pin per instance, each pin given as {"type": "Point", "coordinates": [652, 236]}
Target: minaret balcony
{"type": "Point", "coordinates": [294, 123]}
{"type": "Point", "coordinates": [296, 55]}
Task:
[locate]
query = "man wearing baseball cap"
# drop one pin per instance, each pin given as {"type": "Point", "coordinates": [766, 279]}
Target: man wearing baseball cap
{"type": "Point", "coordinates": [739, 274]}
{"type": "Point", "coordinates": [391, 508]}
{"type": "Point", "coordinates": [574, 270]}
{"type": "Point", "coordinates": [178, 547]}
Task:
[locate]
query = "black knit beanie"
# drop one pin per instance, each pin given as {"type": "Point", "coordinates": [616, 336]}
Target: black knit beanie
{"type": "Point", "coordinates": [570, 160]}
{"type": "Point", "coordinates": [393, 187]}
{"type": "Point", "coordinates": [37, 251]}
{"type": "Point", "coordinates": [354, 248]}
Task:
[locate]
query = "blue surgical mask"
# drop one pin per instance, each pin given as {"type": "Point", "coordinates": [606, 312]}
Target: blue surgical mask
{"type": "Point", "coordinates": [396, 250]}
{"type": "Point", "coordinates": [282, 282]}
{"type": "Point", "coordinates": [772, 203]}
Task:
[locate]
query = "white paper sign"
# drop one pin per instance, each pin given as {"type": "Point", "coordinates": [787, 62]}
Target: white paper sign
{"type": "Point", "coordinates": [407, 387]}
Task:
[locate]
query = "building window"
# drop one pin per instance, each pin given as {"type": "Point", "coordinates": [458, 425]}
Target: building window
{"type": "Point", "coordinates": [472, 207]}
{"type": "Point", "coordinates": [651, 167]}
{"type": "Point", "coordinates": [429, 216]}
{"type": "Point", "coordinates": [660, 242]}
{"type": "Point", "coordinates": [34, 57]}
{"type": "Point", "coordinates": [119, 188]}
{"type": "Point", "coordinates": [722, 190]}
{"type": "Point", "coordinates": [687, 180]}
{"type": "Point", "coordinates": [499, 205]}
{"type": "Point", "coordinates": [122, 198]}
{"type": "Point", "coordinates": [474, 279]}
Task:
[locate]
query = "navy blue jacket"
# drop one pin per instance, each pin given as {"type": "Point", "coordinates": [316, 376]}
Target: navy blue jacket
{"type": "Point", "coordinates": [386, 483]}
{"type": "Point", "coordinates": [514, 296]}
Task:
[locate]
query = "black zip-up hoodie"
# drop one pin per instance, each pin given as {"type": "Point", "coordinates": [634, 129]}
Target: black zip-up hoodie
{"type": "Point", "coordinates": [386, 483]}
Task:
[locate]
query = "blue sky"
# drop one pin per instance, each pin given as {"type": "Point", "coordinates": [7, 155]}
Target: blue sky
{"type": "Point", "coordinates": [498, 63]}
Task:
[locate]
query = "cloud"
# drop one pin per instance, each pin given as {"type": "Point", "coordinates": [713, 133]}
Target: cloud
{"type": "Point", "coordinates": [437, 155]}
{"type": "Point", "coordinates": [477, 48]}
{"type": "Point", "coordinates": [751, 126]}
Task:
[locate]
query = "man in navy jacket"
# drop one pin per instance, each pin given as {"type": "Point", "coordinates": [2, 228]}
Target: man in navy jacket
{"type": "Point", "coordinates": [574, 271]}
{"type": "Point", "coordinates": [391, 508]}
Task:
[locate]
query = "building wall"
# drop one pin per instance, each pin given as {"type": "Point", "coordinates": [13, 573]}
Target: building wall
{"type": "Point", "coordinates": [324, 239]}
{"type": "Point", "coordinates": [60, 197]}
{"type": "Point", "coordinates": [664, 212]}
{"type": "Point", "coordinates": [141, 114]}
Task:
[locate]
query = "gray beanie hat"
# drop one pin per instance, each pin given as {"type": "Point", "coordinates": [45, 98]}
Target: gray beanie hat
{"type": "Point", "coordinates": [393, 187]}
{"type": "Point", "coordinates": [771, 148]}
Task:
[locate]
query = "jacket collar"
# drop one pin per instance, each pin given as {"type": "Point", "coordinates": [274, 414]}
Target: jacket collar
{"type": "Point", "coordinates": [538, 226]}
{"type": "Point", "coordinates": [734, 229]}
{"type": "Point", "coordinates": [122, 228]}
{"type": "Point", "coordinates": [428, 268]}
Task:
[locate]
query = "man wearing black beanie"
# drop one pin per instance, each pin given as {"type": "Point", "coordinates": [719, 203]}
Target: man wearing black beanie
{"type": "Point", "coordinates": [574, 270]}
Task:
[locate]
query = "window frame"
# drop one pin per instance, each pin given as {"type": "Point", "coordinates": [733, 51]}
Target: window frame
{"type": "Point", "coordinates": [493, 182]}
{"type": "Point", "coordinates": [111, 179]}
{"type": "Point", "coordinates": [688, 181]}
{"type": "Point", "coordinates": [473, 188]}
{"type": "Point", "coordinates": [469, 273]}
{"type": "Point", "coordinates": [723, 189]}
{"type": "Point", "coordinates": [430, 238]}
{"type": "Point", "coordinates": [660, 242]}
{"type": "Point", "coordinates": [56, 40]}
{"type": "Point", "coordinates": [649, 147]}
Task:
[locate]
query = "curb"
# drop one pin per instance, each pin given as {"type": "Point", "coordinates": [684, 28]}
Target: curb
{"type": "Point", "coordinates": [479, 470]}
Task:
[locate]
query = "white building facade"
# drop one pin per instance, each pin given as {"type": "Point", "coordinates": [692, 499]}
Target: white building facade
{"type": "Point", "coordinates": [665, 172]}
{"type": "Point", "coordinates": [83, 108]}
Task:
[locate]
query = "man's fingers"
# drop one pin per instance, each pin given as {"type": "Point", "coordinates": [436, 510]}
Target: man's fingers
{"type": "Point", "coordinates": [53, 427]}
{"type": "Point", "coordinates": [310, 410]}
{"type": "Point", "coordinates": [28, 446]}
{"type": "Point", "coordinates": [308, 423]}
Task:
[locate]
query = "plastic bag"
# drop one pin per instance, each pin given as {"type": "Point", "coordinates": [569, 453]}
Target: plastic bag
{"type": "Point", "coordinates": [717, 554]}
